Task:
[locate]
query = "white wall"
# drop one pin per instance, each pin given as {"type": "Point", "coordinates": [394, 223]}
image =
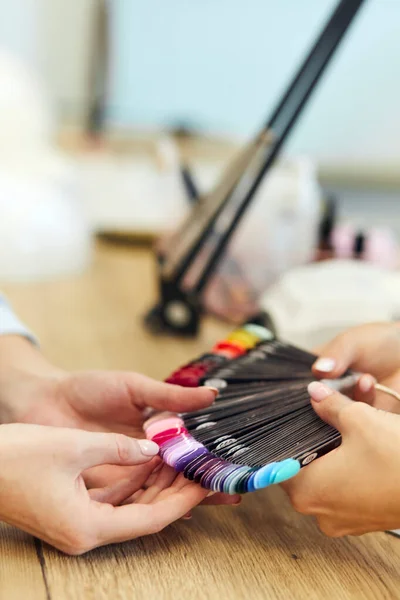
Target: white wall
{"type": "Point", "coordinates": [222, 64]}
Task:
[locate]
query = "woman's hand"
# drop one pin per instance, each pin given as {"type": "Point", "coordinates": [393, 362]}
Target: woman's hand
{"type": "Point", "coordinates": [43, 492]}
{"type": "Point", "coordinates": [373, 349]}
{"type": "Point", "coordinates": [33, 391]}
{"type": "Point", "coordinates": [354, 489]}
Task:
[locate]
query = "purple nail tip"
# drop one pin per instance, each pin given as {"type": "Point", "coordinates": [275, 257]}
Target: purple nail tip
{"type": "Point", "coordinates": [191, 468]}
{"type": "Point", "coordinates": [213, 471]}
{"type": "Point", "coordinates": [183, 461]}
{"type": "Point", "coordinates": [203, 469]}
{"type": "Point", "coordinates": [178, 452]}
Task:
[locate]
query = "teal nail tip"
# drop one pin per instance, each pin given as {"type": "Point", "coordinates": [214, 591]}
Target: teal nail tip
{"type": "Point", "coordinates": [262, 333]}
{"type": "Point", "coordinates": [262, 478]}
{"type": "Point", "coordinates": [274, 471]}
{"type": "Point", "coordinates": [286, 470]}
{"type": "Point", "coordinates": [238, 475]}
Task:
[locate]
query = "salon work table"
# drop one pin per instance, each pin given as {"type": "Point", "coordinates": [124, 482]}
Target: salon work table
{"type": "Point", "coordinates": [262, 549]}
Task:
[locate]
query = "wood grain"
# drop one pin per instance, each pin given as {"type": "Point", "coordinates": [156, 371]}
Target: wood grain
{"type": "Point", "coordinates": [261, 549]}
{"type": "Point", "coordinates": [21, 566]}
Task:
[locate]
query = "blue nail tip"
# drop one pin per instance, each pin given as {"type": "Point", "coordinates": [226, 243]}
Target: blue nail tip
{"type": "Point", "coordinates": [250, 484]}
{"type": "Point", "coordinates": [286, 470]}
{"type": "Point", "coordinates": [262, 478]}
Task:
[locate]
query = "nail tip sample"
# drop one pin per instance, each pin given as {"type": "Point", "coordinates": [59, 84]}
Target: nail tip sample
{"type": "Point", "coordinates": [288, 469]}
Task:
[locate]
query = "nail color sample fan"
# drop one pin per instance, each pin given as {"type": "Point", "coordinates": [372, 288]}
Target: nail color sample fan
{"type": "Point", "coordinates": [261, 430]}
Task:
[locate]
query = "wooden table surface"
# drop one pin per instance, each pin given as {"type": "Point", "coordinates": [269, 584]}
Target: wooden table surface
{"type": "Point", "coordinates": [261, 549]}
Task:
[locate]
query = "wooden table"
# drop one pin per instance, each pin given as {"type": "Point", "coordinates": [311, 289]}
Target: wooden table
{"type": "Point", "coordinates": [259, 550]}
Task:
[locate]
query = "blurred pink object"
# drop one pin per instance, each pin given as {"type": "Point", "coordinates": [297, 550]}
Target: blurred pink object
{"type": "Point", "coordinates": [381, 248]}
{"type": "Point", "coordinates": [343, 241]}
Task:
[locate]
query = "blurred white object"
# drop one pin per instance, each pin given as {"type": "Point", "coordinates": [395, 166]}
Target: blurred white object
{"type": "Point", "coordinates": [43, 232]}
{"type": "Point", "coordinates": [125, 193]}
{"type": "Point", "coordinates": [312, 304]}
{"type": "Point", "coordinates": [25, 113]}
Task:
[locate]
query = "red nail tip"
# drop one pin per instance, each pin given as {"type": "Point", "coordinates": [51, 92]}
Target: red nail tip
{"type": "Point", "coordinates": [168, 434]}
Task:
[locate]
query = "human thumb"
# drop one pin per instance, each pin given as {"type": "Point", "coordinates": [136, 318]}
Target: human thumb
{"type": "Point", "coordinates": [112, 449]}
{"type": "Point", "coordinates": [328, 403]}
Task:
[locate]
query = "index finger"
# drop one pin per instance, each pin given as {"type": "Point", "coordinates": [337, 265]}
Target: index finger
{"type": "Point", "coordinates": [146, 392]}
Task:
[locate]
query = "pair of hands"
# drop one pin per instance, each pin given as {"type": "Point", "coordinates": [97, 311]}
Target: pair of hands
{"type": "Point", "coordinates": [356, 488]}
{"type": "Point", "coordinates": [64, 477]}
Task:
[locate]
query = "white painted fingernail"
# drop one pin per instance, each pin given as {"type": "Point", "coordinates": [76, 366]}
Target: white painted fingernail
{"type": "Point", "coordinates": [325, 365]}
{"type": "Point", "coordinates": [148, 448]}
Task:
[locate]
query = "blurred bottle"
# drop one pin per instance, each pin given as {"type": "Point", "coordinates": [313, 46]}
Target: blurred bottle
{"type": "Point", "coordinates": [279, 232]}
{"type": "Point", "coordinates": [281, 229]}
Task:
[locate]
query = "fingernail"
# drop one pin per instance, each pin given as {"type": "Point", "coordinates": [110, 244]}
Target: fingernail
{"type": "Point", "coordinates": [366, 383]}
{"type": "Point", "coordinates": [148, 448]}
{"type": "Point", "coordinates": [211, 494]}
{"type": "Point", "coordinates": [325, 365]}
{"type": "Point", "coordinates": [148, 412]}
{"type": "Point", "coordinates": [214, 390]}
{"type": "Point", "coordinates": [318, 391]}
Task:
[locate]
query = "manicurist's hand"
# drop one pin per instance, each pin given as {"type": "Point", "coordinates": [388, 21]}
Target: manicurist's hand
{"type": "Point", "coordinates": [354, 489]}
{"type": "Point", "coordinates": [372, 349]}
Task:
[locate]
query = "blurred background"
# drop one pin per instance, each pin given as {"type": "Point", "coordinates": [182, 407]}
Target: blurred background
{"type": "Point", "coordinates": [217, 67]}
{"type": "Point", "coordinates": [102, 101]}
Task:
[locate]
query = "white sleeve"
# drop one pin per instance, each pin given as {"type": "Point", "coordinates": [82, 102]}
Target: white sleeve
{"type": "Point", "coordinates": [10, 324]}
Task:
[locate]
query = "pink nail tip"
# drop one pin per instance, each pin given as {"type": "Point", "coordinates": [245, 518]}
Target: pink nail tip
{"type": "Point", "coordinates": [157, 418]}
{"type": "Point", "coordinates": [160, 426]}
